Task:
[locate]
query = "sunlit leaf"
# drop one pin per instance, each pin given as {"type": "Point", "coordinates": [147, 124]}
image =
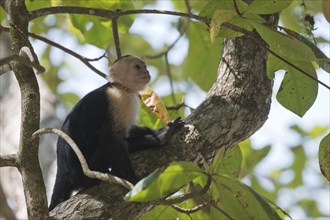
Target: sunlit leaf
{"type": "Point", "coordinates": [267, 6]}
{"type": "Point", "coordinates": [298, 92]}
{"type": "Point", "coordinates": [203, 57]}
{"type": "Point", "coordinates": [282, 213]}
{"type": "Point", "coordinates": [92, 26]}
{"type": "Point", "coordinates": [37, 4]}
{"type": "Point", "coordinates": [322, 59]}
{"type": "Point", "coordinates": [171, 179]}
{"type": "Point", "coordinates": [219, 17]}
{"type": "Point", "coordinates": [284, 45]}
{"type": "Point", "coordinates": [240, 22]}
{"type": "Point", "coordinates": [227, 162]}
{"type": "Point", "coordinates": [274, 64]}
{"type": "Point", "coordinates": [298, 166]}
{"type": "Point", "coordinates": [214, 5]}
{"type": "Point", "coordinates": [238, 201]}
{"type": "Point", "coordinates": [3, 14]}
{"type": "Point", "coordinates": [324, 156]}
{"type": "Point", "coordinates": [163, 212]}
{"type": "Point", "coordinates": [251, 157]}
{"type": "Point", "coordinates": [155, 104]}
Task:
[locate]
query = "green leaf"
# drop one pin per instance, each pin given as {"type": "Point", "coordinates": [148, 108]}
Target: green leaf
{"type": "Point", "coordinates": [219, 17]}
{"type": "Point", "coordinates": [267, 6]}
{"type": "Point", "coordinates": [322, 59]}
{"type": "Point", "coordinates": [3, 14]}
{"type": "Point", "coordinates": [298, 92]}
{"type": "Point", "coordinates": [240, 22]}
{"type": "Point", "coordinates": [203, 58]}
{"type": "Point", "coordinates": [69, 99]}
{"type": "Point", "coordinates": [298, 166]}
{"type": "Point", "coordinates": [324, 156]}
{"type": "Point", "coordinates": [279, 210]}
{"type": "Point", "coordinates": [324, 64]}
{"type": "Point", "coordinates": [158, 185]}
{"type": "Point", "coordinates": [284, 45]}
{"type": "Point", "coordinates": [227, 162]}
{"type": "Point", "coordinates": [37, 4]}
{"type": "Point", "coordinates": [214, 5]}
{"type": "Point", "coordinates": [273, 64]}
{"type": "Point", "coordinates": [92, 26]}
{"type": "Point", "coordinates": [163, 212]}
{"type": "Point", "coordinates": [251, 157]}
{"type": "Point", "coordinates": [238, 201]}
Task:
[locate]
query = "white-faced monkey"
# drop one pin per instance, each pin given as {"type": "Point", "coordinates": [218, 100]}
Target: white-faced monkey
{"type": "Point", "coordinates": [102, 124]}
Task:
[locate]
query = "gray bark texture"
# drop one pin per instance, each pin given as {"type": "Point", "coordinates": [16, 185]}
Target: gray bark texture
{"type": "Point", "coordinates": [236, 106]}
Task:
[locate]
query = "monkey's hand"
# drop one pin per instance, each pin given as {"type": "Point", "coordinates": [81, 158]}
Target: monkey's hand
{"type": "Point", "coordinates": [165, 133]}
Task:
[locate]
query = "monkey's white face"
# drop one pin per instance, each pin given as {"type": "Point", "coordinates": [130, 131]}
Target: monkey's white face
{"type": "Point", "coordinates": [130, 72]}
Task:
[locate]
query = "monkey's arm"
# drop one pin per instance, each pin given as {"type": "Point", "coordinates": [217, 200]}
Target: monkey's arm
{"type": "Point", "coordinates": [141, 138]}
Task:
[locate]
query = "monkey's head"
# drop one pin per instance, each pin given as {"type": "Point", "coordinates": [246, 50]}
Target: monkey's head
{"type": "Point", "coordinates": [131, 72]}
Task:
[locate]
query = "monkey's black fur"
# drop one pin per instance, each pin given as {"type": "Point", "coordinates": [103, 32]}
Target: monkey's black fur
{"type": "Point", "coordinates": [91, 125]}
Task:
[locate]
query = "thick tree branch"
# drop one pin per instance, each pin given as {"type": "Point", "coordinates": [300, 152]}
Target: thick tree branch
{"type": "Point", "coordinates": [24, 58]}
{"type": "Point", "coordinates": [27, 157]}
{"type": "Point", "coordinates": [8, 160]}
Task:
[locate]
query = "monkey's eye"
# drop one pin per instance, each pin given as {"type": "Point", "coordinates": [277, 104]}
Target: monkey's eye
{"type": "Point", "coordinates": [137, 66]}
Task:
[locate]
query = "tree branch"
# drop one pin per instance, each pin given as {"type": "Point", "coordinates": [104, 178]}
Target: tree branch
{"type": "Point", "coordinates": [27, 156]}
{"type": "Point", "coordinates": [107, 13]}
{"type": "Point", "coordinates": [89, 173]}
{"type": "Point", "coordinates": [8, 160]}
{"type": "Point", "coordinates": [7, 62]}
{"type": "Point", "coordinates": [66, 50]}
{"type": "Point", "coordinates": [187, 196]}
{"type": "Point", "coordinates": [115, 34]}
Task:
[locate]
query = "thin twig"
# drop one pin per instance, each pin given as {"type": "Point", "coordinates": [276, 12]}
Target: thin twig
{"type": "Point", "coordinates": [176, 107]}
{"type": "Point", "coordinates": [252, 36]}
{"type": "Point", "coordinates": [72, 53]}
{"type": "Point", "coordinates": [108, 13]}
{"type": "Point", "coordinates": [298, 68]}
{"type": "Point", "coordinates": [191, 210]}
{"type": "Point", "coordinates": [169, 75]}
{"type": "Point", "coordinates": [184, 197]}
{"type": "Point", "coordinates": [97, 58]}
{"type": "Point", "coordinates": [115, 34]}
{"type": "Point", "coordinates": [89, 173]}
{"type": "Point", "coordinates": [111, 14]}
{"type": "Point", "coordinates": [17, 58]}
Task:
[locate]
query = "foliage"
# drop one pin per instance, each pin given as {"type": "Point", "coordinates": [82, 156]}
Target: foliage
{"type": "Point", "coordinates": [294, 51]}
{"type": "Point", "coordinates": [227, 196]}
{"type": "Point", "coordinates": [215, 190]}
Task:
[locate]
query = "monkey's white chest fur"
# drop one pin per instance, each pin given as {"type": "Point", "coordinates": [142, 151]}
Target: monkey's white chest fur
{"type": "Point", "coordinates": [124, 106]}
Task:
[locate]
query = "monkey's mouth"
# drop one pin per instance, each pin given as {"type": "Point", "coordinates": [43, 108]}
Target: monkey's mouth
{"type": "Point", "coordinates": [146, 78]}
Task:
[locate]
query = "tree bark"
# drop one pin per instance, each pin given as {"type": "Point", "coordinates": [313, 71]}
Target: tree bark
{"type": "Point", "coordinates": [27, 156]}
{"type": "Point", "coordinates": [236, 106]}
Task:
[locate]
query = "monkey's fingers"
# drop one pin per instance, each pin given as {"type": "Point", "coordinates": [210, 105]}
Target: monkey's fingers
{"type": "Point", "coordinates": [170, 129]}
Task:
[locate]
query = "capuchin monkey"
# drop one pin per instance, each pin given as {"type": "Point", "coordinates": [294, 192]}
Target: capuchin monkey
{"type": "Point", "coordinates": [102, 124]}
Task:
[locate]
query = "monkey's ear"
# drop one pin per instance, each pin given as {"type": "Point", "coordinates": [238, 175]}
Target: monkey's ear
{"type": "Point", "coordinates": [155, 104]}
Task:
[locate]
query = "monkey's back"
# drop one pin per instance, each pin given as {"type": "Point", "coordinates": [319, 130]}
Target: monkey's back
{"type": "Point", "coordinates": [84, 125]}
